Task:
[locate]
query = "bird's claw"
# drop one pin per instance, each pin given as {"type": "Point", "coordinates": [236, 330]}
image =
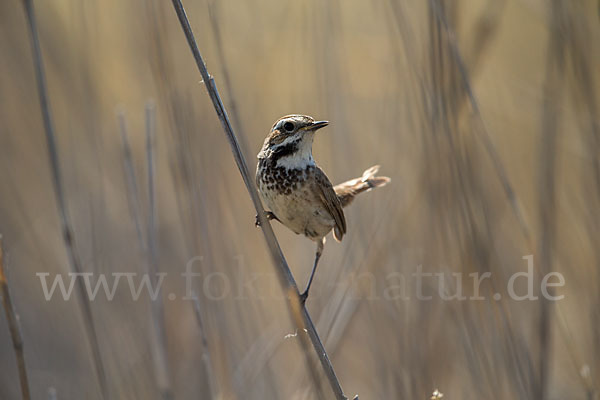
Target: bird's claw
{"type": "Point", "coordinates": [269, 214]}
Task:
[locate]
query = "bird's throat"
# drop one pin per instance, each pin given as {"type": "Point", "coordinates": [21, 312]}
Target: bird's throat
{"type": "Point", "coordinates": [294, 155]}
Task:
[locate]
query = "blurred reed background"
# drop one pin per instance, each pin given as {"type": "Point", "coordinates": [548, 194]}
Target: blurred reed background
{"type": "Point", "coordinates": [483, 112]}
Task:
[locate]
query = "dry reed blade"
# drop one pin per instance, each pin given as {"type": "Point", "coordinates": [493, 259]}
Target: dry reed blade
{"type": "Point", "coordinates": [298, 311]}
{"type": "Point", "coordinates": [551, 114]}
{"type": "Point", "coordinates": [148, 246]}
{"type": "Point", "coordinates": [182, 158]}
{"type": "Point", "coordinates": [177, 114]}
{"type": "Point", "coordinates": [14, 327]}
{"type": "Point", "coordinates": [484, 132]}
{"type": "Point", "coordinates": [158, 315]}
{"type": "Point", "coordinates": [66, 227]}
{"type": "Point", "coordinates": [450, 85]}
{"type": "Point", "coordinates": [213, 13]}
{"type": "Point", "coordinates": [131, 181]}
{"type": "Point", "coordinates": [206, 358]}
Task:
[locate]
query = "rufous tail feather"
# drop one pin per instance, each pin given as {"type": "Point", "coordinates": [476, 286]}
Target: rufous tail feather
{"type": "Point", "coordinates": [347, 191]}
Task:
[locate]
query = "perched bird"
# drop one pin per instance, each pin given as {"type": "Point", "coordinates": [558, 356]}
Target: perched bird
{"type": "Point", "coordinates": [297, 191]}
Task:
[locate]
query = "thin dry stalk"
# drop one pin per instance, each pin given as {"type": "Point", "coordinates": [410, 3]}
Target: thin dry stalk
{"type": "Point", "coordinates": [160, 356]}
{"type": "Point", "coordinates": [206, 359]}
{"type": "Point", "coordinates": [183, 172]}
{"type": "Point", "coordinates": [151, 166]}
{"type": "Point", "coordinates": [14, 328]}
{"type": "Point", "coordinates": [148, 247]}
{"type": "Point", "coordinates": [581, 50]}
{"type": "Point", "coordinates": [131, 181]}
{"type": "Point", "coordinates": [298, 312]}
{"type": "Point", "coordinates": [484, 132]}
{"type": "Point", "coordinates": [213, 13]}
{"type": "Point", "coordinates": [67, 229]}
{"type": "Point", "coordinates": [485, 31]}
{"type": "Point", "coordinates": [547, 177]}
{"type": "Point", "coordinates": [450, 83]}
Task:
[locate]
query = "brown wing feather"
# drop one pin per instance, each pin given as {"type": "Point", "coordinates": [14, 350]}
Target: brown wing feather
{"type": "Point", "coordinates": [331, 202]}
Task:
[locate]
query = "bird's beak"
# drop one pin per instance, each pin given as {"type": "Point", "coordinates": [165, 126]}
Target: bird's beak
{"type": "Point", "coordinates": [318, 125]}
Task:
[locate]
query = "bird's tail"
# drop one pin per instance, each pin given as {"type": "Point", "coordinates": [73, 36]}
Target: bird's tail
{"type": "Point", "coordinates": [347, 191]}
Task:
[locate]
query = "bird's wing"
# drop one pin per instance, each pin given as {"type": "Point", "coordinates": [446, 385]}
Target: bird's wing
{"type": "Point", "coordinates": [330, 200]}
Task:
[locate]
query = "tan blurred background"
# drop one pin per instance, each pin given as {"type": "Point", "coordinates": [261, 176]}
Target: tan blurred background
{"type": "Point", "coordinates": [483, 112]}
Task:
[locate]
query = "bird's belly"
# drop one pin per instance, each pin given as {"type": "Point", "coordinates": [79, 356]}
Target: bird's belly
{"type": "Point", "coordinates": [300, 212]}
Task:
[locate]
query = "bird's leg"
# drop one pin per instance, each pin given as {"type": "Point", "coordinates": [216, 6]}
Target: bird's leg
{"type": "Point", "coordinates": [320, 247]}
{"type": "Point", "coordinates": [270, 216]}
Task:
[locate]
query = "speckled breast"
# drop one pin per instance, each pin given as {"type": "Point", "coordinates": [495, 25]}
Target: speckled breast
{"type": "Point", "coordinates": [280, 180]}
{"type": "Point", "coordinates": [288, 195]}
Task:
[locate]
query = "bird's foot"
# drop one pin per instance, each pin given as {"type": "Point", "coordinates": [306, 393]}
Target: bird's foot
{"type": "Point", "coordinates": [269, 214]}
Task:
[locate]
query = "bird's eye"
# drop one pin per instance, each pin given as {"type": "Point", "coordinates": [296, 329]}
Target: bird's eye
{"type": "Point", "coordinates": [288, 126]}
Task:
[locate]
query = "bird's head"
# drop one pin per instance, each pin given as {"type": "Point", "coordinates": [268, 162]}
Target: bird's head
{"type": "Point", "coordinates": [290, 141]}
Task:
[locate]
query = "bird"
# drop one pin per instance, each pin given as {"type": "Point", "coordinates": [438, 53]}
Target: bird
{"type": "Point", "coordinates": [297, 192]}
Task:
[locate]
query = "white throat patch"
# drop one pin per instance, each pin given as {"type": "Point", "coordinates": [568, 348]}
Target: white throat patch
{"type": "Point", "coordinates": [302, 157]}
